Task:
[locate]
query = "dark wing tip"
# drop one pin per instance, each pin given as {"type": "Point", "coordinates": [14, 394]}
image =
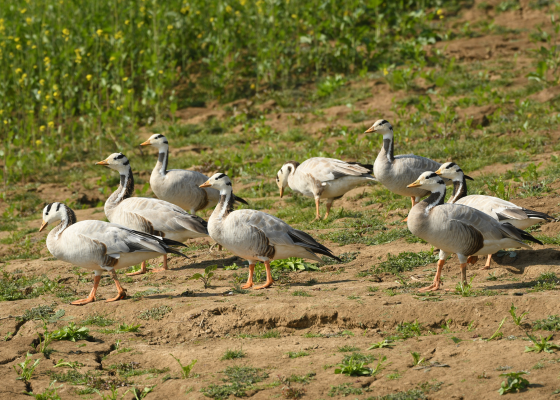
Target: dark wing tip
{"type": "Point", "coordinates": [240, 200]}
{"type": "Point", "coordinates": [468, 177]}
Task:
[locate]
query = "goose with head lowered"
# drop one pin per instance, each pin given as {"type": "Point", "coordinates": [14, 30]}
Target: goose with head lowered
{"type": "Point", "coordinates": [255, 235]}
{"type": "Point", "coordinates": [397, 172]}
{"type": "Point", "coordinates": [153, 216]}
{"type": "Point", "coordinates": [180, 186]}
{"type": "Point", "coordinates": [321, 177]}
{"type": "Point", "coordinates": [501, 210]}
{"type": "Point", "coordinates": [100, 246]}
{"type": "Point", "coordinates": [459, 229]}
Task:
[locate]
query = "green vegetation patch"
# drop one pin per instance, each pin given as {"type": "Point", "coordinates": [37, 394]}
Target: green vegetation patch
{"type": "Point", "coordinates": [155, 313]}
{"type": "Point", "coordinates": [238, 381]}
{"type": "Point", "coordinates": [18, 286]}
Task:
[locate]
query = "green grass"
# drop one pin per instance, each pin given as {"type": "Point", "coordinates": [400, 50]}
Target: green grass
{"type": "Point", "coordinates": [98, 320]}
{"type": "Point", "coordinates": [550, 323]}
{"type": "Point", "coordinates": [233, 354]}
{"type": "Point", "coordinates": [344, 390]}
{"type": "Point", "coordinates": [297, 354]}
{"type": "Point", "coordinates": [18, 286]}
{"type": "Point", "coordinates": [238, 381]}
{"type": "Point", "coordinates": [155, 313]}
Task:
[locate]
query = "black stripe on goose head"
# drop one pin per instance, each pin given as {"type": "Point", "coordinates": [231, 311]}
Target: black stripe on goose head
{"type": "Point", "coordinates": [159, 136]}
{"type": "Point", "coordinates": [121, 155]}
{"type": "Point", "coordinates": [58, 206]}
{"type": "Point", "coordinates": [228, 183]}
{"type": "Point", "coordinates": [451, 164]}
{"type": "Point", "coordinates": [166, 142]}
{"type": "Point", "coordinates": [432, 175]}
{"type": "Point", "coordinates": [126, 162]}
{"type": "Point", "coordinates": [48, 208]}
{"type": "Point", "coordinates": [221, 176]}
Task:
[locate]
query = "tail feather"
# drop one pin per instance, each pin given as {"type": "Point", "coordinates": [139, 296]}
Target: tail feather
{"type": "Point", "coordinates": [518, 234]}
{"type": "Point", "coordinates": [538, 215]}
{"type": "Point", "coordinates": [369, 167]}
{"type": "Point", "coordinates": [168, 242]}
{"type": "Point", "coordinates": [305, 240]}
{"type": "Point", "coordinates": [240, 200]}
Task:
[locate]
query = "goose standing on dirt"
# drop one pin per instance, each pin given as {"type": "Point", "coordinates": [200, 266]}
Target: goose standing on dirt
{"type": "Point", "coordinates": [100, 246]}
{"type": "Point", "coordinates": [179, 186]}
{"type": "Point", "coordinates": [499, 209]}
{"type": "Point", "coordinates": [153, 216]}
{"type": "Point", "coordinates": [455, 228]}
{"type": "Point", "coordinates": [255, 235]}
{"type": "Point", "coordinates": [321, 177]}
{"type": "Point", "coordinates": [397, 172]}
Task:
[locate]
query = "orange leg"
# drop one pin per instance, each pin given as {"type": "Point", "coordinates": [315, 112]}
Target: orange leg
{"type": "Point", "coordinates": [317, 215]}
{"type": "Point", "coordinates": [437, 279]}
{"type": "Point", "coordinates": [488, 262]}
{"type": "Point", "coordinates": [464, 273]}
{"type": "Point", "coordinates": [143, 270]}
{"type": "Point", "coordinates": [91, 297]}
{"type": "Point", "coordinates": [413, 200]}
{"type": "Point", "coordinates": [269, 280]}
{"type": "Point", "coordinates": [250, 278]}
{"type": "Point", "coordinates": [122, 292]}
{"type": "Point", "coordinates": [164, 265]}
{"type": "Point", "coordinates": [329, 205]}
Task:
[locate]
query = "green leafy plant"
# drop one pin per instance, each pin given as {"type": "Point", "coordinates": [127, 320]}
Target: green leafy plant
{"type": "Point", "coordinates": [347, 348]}
{"type": "Point", "coordinates": [464, 289]}
{"type": "Point", "coordinates": [514, 383]}
{"type": "Point", "coordinates": [516, 319]}
{"type": "Point", "coordinates": [67, 364]}
{"type": "Point", "coordinates": [71, 332]}
{"type": "Point", "coordinates": [237, 382]}
{"type": "Point", "coordinates": [141, 394]}
{"type": "Point", "coordinates": [206, 277]}
{"type": "Point", "coordinates": [416, 358]}
{"type": "Point", "coordinates": [541, 344]}
{"type": "Point", "coordinates": [297, 354]}
{"type": "Point", "coordinates": [49, 393]}
{"type": "Point", "coordinates": [25, 370]}
{"type": "Point", "coordinates": [550, 323]}
{"type": "Point", "coordinates": [155, 313]}
{"type": "Point", "coordinates": [293, 264]}
{"type": "Point", "coordinates": [498, 334]}
{"type": "Point", "coordinates": [45, 340]}
{"type": "Point", "coordinates": [382, 344]}
{"type": "Point", "coordinates": [353, 368]}
{"type": "Point", "coordinates": [233, 354]}
{"type": "Point", "coordinates": [185, 369]}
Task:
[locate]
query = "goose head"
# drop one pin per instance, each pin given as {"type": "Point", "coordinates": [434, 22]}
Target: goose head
{"type": "Point", "coordinates": [429, 181]}
{"type": "Point", "coordinates": [158, 141]}
{"type": "Point", "coordinates": [382, 127]}
{"type": "Point", "coordinates": [284, 173]}
{"type": "Point", "coordinates": [452, 171]}
{"type": "Point", "coordinates": [218, 181]}
{"type": "Point", "coordinates": [116, 161]}
{"type": "Point", "coordinates": [53, 212]}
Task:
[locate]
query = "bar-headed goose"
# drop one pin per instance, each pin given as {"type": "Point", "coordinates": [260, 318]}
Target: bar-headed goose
{"type": "Point", "coordinates": [153, 216]}
{"type": "Point", "coordinates": [255, 235]}
{"type": "Point", "coordinates": [397, 172]}
{"type": "Point", "coordinates": [499, 209]}
{"type": "Point", "coordinates": [323, 178]}
{"type": "Point", "coordinates": [100, 246]}
{"type": "Point", "coordinates": [455, 228]}
{"type": "Point", "coordinates": [180, 186]}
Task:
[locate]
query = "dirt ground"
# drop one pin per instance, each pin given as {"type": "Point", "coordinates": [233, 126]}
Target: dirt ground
{"type": "Point", "coordinates": [341, 308]}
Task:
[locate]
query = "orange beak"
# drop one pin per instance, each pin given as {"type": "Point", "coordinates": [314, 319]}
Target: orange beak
{"type": "Point", "coordinates": [43, 225]}
{"type": "Point", "coordinates": [146, 143]}
{"type": "Point", "coordinates": [438, 172]}
{"type": "Point", "coordinates": [414, 184]}
{"type": "Point", "coordinates": [104, 162]}
{"type": "Point", "coordinates": [281, 192]}
{"type": "Point", "coordinates": [370, 130]}
{"type": "Point", "coordinates": [205, 184]}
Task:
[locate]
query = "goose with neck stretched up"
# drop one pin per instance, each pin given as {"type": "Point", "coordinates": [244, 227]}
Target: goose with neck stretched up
{"type": "Point", "coordinates": [397, 172]}
{"type": "Point", "coordinates": [321, 177]}
{"type": "Point", "coordinates": [255, 235]}
{"type": "Point", "coordinates": [459, 229]}
{"type": "Point", "coordinates": [179, 186]}
{"type": "Point", "coordinates": [501, 210]}
{"type": "Point", "coordinates": [100, 246]}
{"type": "Point", "coordinates": [153, 216]}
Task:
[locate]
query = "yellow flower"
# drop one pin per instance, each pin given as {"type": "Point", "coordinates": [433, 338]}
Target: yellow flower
{"type": "Point", "coordinates": [125, 79]}
{"type": "Point", "coordinates": [126, 22]}
{"type": "Point", "coordinates": [252, 85]}
{"type": "Point", "coordinates": [46, 60]}
{"type": "Point", "coordinates": [385, 72]}
{"type": "Point", "coordinates": [112, 58]}
{"type": "Point", "coordinates": [45, 108]}
{"type": "Point", "coordinates": [42, 82]}
{"type": "Point", "coordinates": [228, 9]}
{"type": "Point", "coordinates": [441, 17]}
{"type": "Point", "coordinates": [34, 47]}
{"type": "Point", "coordinates": [39, 92]}
{"type": "Point", "coordinates": [212, 19]}
{"type": "Point", "coordinates": [237, 13]}
{"type": "Point", "coordinates": [18, 70]}
{"type": "Point", "coordinates": [42, 128]}
{"type": "Point", "coordinates": [130, 90]}
{"type": "Point", "coordinates": [65, 32]}
{"type": "Point", "coordinates": [112, 102]}
{"type": "Point", "coordinates": [529, 115]}
{"type": "Point", "coordinates": [24, 76]}
{"type": "Point", "coordinates": [160, 71]}
{"type": "Point", "coordinates": [55, 94]}
{"type": "Point", "coordinates": [140, 24]}
{"type": "Point", "coordinates": [16, 39]}
{"type": "Point", "coordinates": [294, 16]}
{"type": "Point", "coordinates": [46, 32]}
{"type": "Point", "coordinates": [439, 11]}
{"type": "Point", "coordinates": [5, 122]}
{"type": "Point", "coordinates": [50, 124]}
{"type": "Point", "coordinates": [242, 2]}
{"type": "Point", "coordinates": [199, 35]}
{"type": "Point", "coordinates": [99, 32]}
{"type": "Point", "coordinates": [184, 10]}
{"type": "Point", "coordinates": [48, 96]}
{"type": "Point", "coordinates": [38, 142]}
{"type": "Point", "coordinates": [18, 47]}
{"type": "Point", "coordinates": [23, 10]}
{"type": "Point", "coordinates": [169, 27]}
{"type": "Point", "coordinates": [88, 77]}
{"type": "Point", "coordinates": [28, 20]}
{"type": "Point", "coordinates": [119, 108]}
